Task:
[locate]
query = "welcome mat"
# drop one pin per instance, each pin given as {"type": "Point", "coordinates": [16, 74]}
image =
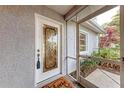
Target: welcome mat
{"type": "Point", "coordinates": [59, 83]}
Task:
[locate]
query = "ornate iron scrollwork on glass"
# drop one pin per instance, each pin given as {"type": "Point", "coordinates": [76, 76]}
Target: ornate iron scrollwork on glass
{"type": "Point", "coordinates": [50, 34]}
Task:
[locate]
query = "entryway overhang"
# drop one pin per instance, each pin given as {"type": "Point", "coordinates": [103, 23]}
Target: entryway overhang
{"type": "Point", "coordinates": [83, 12]}
{"type": "Point", "coordinates": [80, 14]}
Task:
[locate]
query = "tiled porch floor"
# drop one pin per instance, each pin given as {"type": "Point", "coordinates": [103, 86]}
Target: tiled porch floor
{"type": "Point", "coordinates": [100, 78]}
{"type": "Point", "coordinates": [73, 82]}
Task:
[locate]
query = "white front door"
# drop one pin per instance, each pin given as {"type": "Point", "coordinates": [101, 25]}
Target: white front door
{"type": "Point", "coordinates": [47, 48]}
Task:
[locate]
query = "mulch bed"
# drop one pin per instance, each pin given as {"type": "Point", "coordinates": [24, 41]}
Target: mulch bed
{"type": "Point", "coordinates": [84, 72]}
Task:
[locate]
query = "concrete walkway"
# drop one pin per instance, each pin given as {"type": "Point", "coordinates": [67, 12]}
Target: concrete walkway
{"type": "Point", "coordinates": [104, 79]}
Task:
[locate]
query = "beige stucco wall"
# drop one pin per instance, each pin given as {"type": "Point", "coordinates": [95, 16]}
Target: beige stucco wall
{"type": "Point", "coordinates": [17, 43]}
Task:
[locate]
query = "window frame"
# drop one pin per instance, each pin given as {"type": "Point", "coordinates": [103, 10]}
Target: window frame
{"type": "Point", "coordinates": [87, 45]}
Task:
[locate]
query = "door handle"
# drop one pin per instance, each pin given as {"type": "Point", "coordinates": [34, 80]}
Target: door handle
{"type": "Point", "coordinates": [38, 61]}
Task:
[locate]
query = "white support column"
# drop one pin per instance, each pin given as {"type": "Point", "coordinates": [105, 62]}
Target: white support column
{"type": "Point", "coordinates": [77, 52]}
{"type": "Point", "coordinates": [122, 45]}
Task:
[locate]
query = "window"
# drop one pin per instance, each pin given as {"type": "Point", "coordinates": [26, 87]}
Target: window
{"type": "Point", "coordinates": [83, 42]}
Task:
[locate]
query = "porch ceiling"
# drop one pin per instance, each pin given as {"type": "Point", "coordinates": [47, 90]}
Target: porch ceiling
{"type": "Point", "coordinates": [83, 12]}
{"type": "Point", "coordinates": [61, 9]}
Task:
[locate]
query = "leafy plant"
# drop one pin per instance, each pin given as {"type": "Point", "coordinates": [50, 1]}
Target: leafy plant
{"type": "Point", "coordinates": [88, 63]}
{"type": "Point", "coordinates": [108, 53]}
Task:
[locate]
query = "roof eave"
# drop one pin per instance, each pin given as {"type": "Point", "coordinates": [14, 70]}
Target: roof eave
{"type": "Point", "coordinates": [97, 26]}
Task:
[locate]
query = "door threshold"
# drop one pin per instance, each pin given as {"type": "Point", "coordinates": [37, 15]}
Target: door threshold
{"type": "Point", "coordinates": [42, 83]}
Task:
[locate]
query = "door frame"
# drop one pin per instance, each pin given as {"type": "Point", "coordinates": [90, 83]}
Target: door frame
{"type": "Point", "coordinates": [37, 16]}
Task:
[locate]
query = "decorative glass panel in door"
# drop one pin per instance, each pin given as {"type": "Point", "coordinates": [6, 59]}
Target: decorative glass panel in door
{"type": "Point", "coordinates": [50, 47]}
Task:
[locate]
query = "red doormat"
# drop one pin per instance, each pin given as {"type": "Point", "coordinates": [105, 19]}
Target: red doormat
{"type": "Point", "coordinates": [59, 83]}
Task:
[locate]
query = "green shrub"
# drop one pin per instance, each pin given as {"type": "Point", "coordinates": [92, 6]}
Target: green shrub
{"type": "Point", "coordinates": [108, 53]}
{"type": "Point", "coordinates": [88, 63]}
